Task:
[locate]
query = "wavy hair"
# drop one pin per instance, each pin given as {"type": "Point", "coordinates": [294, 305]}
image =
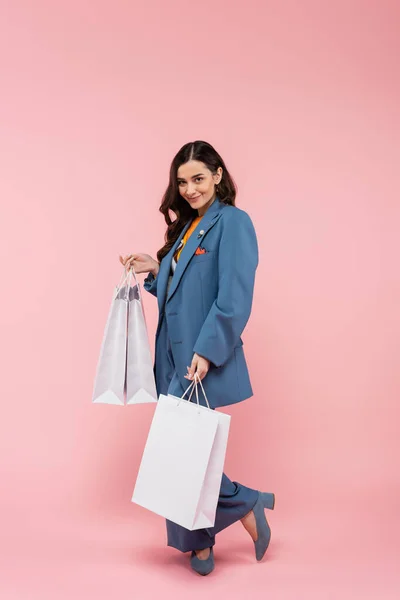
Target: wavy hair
{"type": "Point", "coordinates": [172, 200]}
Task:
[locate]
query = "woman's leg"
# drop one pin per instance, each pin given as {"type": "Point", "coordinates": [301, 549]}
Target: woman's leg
{"type": "Point", "coordinates": [234, 503]}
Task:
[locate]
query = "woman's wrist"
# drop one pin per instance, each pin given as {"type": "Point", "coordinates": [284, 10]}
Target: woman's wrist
{"type": "Point", "coordinates": [155, 269]}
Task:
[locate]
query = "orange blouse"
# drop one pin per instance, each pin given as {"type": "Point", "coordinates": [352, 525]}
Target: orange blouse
{"type": "Point", "coordinates": [187, 235]}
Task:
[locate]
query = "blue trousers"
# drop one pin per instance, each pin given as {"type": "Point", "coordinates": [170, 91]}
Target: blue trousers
{"type": "Point", "coordinates": [235, 500]}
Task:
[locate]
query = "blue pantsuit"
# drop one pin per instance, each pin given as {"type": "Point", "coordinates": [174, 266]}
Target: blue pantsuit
{"type": "Point", "coordinates": [204, 308]}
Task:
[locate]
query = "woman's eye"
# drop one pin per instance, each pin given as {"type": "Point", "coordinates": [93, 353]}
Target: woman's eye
{"type": "Point", "coordinates": [197, 179]}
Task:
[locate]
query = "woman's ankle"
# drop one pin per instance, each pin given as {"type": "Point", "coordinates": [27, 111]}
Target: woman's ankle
{"type": "Point", "coordinates": [203, 554]}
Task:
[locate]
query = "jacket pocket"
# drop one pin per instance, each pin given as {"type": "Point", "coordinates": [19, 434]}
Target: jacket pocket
{"type": "Point", "coordinates": [202, 257]}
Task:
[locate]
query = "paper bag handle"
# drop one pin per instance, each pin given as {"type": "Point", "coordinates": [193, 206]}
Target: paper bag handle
{"type": "Point", "coordinates": [126, 277]}
{"type": "Point", "coordinates": [194, 385]}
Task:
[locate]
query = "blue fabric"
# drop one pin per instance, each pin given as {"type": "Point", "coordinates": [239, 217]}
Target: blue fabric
{"type": "Point", "coordinates": [208, 305]}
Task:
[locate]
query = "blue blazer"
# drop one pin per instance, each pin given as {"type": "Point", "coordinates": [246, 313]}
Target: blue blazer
{"type": "Point", "coordinates": [208, 304]}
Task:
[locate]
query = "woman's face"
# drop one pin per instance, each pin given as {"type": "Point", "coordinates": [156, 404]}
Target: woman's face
{"type": "Point", "coordinates": [196, 184]}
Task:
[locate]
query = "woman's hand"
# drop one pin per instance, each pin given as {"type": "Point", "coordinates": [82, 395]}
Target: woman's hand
{"type": "Point", "coordinates": [200, 366]}
{"type": "Point", "coordinates": [142, 263]}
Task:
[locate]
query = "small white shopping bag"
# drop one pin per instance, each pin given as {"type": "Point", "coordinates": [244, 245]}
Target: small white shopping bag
{"type": "Point", "coordinates": [182, 464]}
{"type": "Point", "coordinates": [140, 381]}
{"type": "Point", "coordinates": [125, 366]}
{"type": "Point", "coordinates": [109, 380]}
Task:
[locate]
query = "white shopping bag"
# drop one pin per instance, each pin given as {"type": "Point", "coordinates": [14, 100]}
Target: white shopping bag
{"type": "Point", "coordinates": [182, 464]}
{"type": "Point", "coordinates": [109, 380]}
{"type": "Point", "coordinates": [125, 363]}
{"type": "Point", "coordinates": [140, 382]}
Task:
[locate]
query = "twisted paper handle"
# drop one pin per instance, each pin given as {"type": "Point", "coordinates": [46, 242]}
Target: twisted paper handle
{"type": "Point", "coordinates": [194, 385]}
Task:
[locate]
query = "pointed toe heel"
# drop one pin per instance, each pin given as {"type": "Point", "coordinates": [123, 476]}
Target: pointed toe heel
{"type": "Point", "coordinates": [265, 500]}
{"type": "Point", "coordinates": [202, 567]}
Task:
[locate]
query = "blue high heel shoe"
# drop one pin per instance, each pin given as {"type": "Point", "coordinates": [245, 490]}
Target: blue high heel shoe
{"type": "Point", "coordinates": [265, 500]}
{"type": "Point", "coordinates": [203, 567]}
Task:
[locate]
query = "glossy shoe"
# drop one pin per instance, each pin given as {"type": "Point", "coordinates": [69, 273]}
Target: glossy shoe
{"type": "Point", "coordinates": [203, 567]}
{"type": "Point", "coordinates": [265, 500]}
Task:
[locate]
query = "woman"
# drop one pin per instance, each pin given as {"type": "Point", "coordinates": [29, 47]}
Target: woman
{"type": "Point", "coordinates": [203, 279]}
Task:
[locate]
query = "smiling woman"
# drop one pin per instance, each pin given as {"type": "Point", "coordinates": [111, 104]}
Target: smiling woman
{"type": "Point", "coordinates": [204, 282]}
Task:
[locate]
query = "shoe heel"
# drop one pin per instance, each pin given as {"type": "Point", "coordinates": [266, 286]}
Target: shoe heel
{"type": "Point", "coordinates": [268, 500]}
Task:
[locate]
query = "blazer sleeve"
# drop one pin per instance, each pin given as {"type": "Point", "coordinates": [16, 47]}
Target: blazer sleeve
{"type": "Point", "coordinates": [229, 313]}
{"type": "Point", "coordinates": [150, 284]}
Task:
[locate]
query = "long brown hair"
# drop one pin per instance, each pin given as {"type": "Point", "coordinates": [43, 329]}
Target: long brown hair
{"type": "Point", "coordinates": [173, 201]}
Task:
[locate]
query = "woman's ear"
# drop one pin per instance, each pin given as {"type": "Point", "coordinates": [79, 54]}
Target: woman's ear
{"type": "Point", "coordinates": [218, 176]}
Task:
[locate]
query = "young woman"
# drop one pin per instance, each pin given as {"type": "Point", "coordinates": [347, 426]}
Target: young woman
{"type": "Point", "coordinates": [203, 279]}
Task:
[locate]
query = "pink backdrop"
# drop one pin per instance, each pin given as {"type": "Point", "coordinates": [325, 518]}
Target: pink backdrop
{"type": "Point", "coordinates": [301, 99]}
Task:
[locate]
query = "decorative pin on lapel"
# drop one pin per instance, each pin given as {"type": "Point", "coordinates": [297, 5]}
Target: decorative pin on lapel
{"type": "Point", "coordinates": [200, 234]}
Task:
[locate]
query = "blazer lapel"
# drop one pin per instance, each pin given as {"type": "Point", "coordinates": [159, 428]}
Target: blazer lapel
{"type": "Point", "coordinates": [209, 219]}
{"type": "Point", "coordinates": [165, 268]}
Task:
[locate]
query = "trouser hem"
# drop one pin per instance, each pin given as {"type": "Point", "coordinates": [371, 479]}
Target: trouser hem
{"type": "Point", "coordinates": [212, 543]}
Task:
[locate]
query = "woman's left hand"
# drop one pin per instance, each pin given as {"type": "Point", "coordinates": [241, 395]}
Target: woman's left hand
{"type": "Point", "coordinates": [200, 366]}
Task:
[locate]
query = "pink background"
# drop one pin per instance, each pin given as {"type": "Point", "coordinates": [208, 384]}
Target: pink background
{"type": "Point", "coordinates": [301, 98]}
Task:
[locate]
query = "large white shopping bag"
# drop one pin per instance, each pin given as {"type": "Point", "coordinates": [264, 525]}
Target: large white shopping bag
{"type": "Point", "coordinates": [109, 382]}
{"type": "Point", "coordinates": [182, 464]}
{"type": "Point", "coordinates": [140, 382]}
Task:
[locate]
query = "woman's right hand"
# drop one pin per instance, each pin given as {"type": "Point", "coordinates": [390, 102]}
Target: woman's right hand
{"type": "Point", "coordinates": [142, 263]}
